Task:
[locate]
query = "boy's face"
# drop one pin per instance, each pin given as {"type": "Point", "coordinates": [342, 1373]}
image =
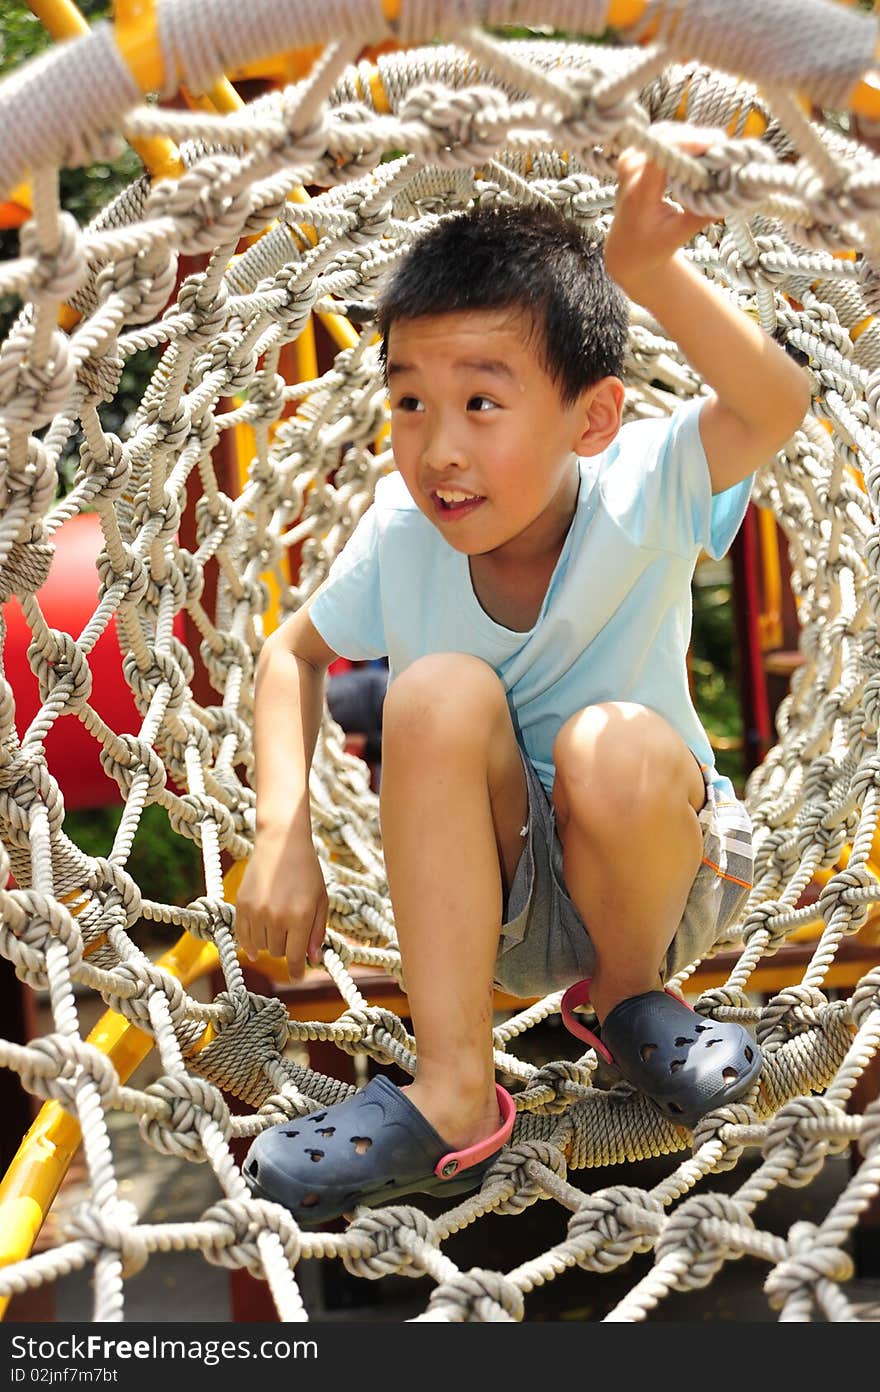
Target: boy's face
{"type": "Point", "coordinates": [480, 433]}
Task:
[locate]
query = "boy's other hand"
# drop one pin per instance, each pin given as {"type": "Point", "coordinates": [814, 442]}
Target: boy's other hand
{"type": "Point", "coordinates": [281, 906]}
{"type": "Point", "coordinates": [648, 229]}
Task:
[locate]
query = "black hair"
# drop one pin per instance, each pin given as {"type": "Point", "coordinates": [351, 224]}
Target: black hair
{"type": "Point", "coordinates": [518, 256]}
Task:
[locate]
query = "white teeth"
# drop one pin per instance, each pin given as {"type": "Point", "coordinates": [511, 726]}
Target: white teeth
{"type": "Point", "coordinates": [453, 496]}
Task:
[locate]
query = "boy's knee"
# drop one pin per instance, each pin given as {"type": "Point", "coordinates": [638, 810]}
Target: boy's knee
{"type": "Point", "coordinates": [615, 761]}
{"type": "Point", "coordinates": [451, 697]}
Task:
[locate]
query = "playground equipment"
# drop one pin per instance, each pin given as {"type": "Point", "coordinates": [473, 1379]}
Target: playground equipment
{"type": "Point", "coordinates": [388, 146]}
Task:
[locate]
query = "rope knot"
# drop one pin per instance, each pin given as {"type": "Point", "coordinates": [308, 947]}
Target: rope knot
{"type": "Point", "coordinates": [793, 1010]}
{"type": "Point", "coordinates": [27, 565]}
{"type": "Point", "coordinates": [241, 1223]}
{"type": "Point", "coordinates": [62, 671]}
{"type": "Point", "coordinates": [555, 1076]}
{"type": "Point", "coordinates": [848, 917]}
{"type": "Point", "coordinates": [133, 582]}
{"type": "Point", "coordinates": [35, 389]}
{"type": "Point", "coordinates": [207, 206]}
{"type": "Point", "coordinates": [710, 1128]}
{"type": "Point", "coordinates": [58, 1066]}
{"type": "Point", "coordinates": [188, 1103]}
{"type": "Point", "coordinates": [116, 887]}
{"type": "Point", "coordinates": [207, 309]}
{"type": "Point", "coordinates": [394, 1238]}
{"type": "Point", "coordinates": [27, 488]}
{"type": "Point", "coordinates": [612, 1225]}
{"type": "Point", "coordinates": [521, 1163]}
{"type": "Point", "coordinates": [31, 922]}
{"type": "Point", "coordinates": [696, 1232]}
{"type": "Point", "coordinates": [217, 914]}
{"type": "Point", "coordinates": [461, 126]}
{"type": "Point", "coordinates": [812, 1258]}
{"type": "Point", "coordinates": [112, 1228]}
{"type": "Point", "coordinates": [477, 1295]}
{"type": "Point", "coordinates": [129, 758]}
{"type": "Point", "coordinates": [792, 1138]}
{"type": "Point", "coordinates": [865, 999]}
{"type": "Point", "coordinates": [870, 1133]}
{"type": "Point", "coordinates": [762, 919]}
{"type": "Point", "coordinates": [58, 274]}
{"type": "Point", "coordinates": [372, 1023]}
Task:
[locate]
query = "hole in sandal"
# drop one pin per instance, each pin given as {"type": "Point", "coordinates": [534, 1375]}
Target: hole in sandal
{"type": "Point", "coordinates": [707, 1043]}
{"type": "Point", "coordinates": [315, 1155]}
{"type": "Point", "coordinates": [675, 1065]}
{"type": "Point", "coordinates": [327, 1131]}
{"type": "Point", "coordinates": [749, 1055]}
{"type": "Point", "coordinates": [701, 1029]}
{"type": "Point", "coordinates": [361, 1144]}
{"type": "Point", "coordinates": [730, 1075]}
{"type": "Point", "coordinates": [291, 1134]}
{"type": "Point", "coordinates": [319, 1117]}
{"type": "Point", "coordinates": [309, 1200]}
{"type": "Point", "coordinates": [647, 1052]}
{"type": "Point", "coordinates": [681, 1041]}
{"type": "Point", "coordinates": [252, 1169]}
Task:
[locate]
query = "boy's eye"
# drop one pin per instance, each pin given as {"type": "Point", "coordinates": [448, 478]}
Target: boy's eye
{"type": "Point", "coordinates": [408, 403]}
{"type": "Point", "coordinates": [481, 403]}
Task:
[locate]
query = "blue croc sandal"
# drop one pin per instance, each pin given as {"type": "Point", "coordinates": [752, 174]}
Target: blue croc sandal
{"type": "Point", "coordinates": [374, 1147]}
{"type": "Point", "coordinates": [685, 1064]}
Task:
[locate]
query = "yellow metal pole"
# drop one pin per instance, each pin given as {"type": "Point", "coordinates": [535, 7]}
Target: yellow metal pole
{"type": "Point", "coordinates": [34, 1177]}
{"type": "Point", "coordinates": [63, 20]}
{"type": "Point", "coordinates": [224, 98]}
{"type": "Point", "coordinates": [160, 156]}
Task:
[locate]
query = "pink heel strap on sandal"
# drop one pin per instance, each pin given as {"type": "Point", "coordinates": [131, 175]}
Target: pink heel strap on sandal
{"type": "Point", "coordinates": [579, 994]}
{"type": "Point", "coordinates": [456, 1160]}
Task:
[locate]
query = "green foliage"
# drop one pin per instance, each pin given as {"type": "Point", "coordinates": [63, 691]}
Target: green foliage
{"type": "Point", "coordinates": [167, 866]}
{"type": "Point", "coordinates": [86, 190]}
{"type": "Point", "coordinates": [715, 677]}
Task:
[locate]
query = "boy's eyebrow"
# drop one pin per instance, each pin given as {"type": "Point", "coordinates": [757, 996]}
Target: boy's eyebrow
{"type": "Point", "coordinates": [495, 366]}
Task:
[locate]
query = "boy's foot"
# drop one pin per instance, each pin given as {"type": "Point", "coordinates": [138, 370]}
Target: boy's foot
{"type": "Point", "coordinates": [370, 1149]}
{"type": "Point", "coordinates": [684, 1064]}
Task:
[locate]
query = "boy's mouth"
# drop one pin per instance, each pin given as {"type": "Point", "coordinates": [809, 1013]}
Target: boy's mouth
{"type": "Point", "coordinates": [452, 503]}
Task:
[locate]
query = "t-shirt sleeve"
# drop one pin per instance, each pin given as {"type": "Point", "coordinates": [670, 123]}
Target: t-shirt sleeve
{"type": "Point", "coordinates": [347, 611]}
{"type": "Point", "coordinates": [660, 489]}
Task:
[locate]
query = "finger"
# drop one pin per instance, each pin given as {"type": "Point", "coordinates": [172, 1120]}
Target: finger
{"type": "Point", "coordinates": [243, 934]}
{"type": "Point", "coordinates": [692, 139]}
{"type": "Point", "coordinates": [295, 960]}
{"type": "Point", "coordinates": [276, 937]}
{"type": "Point", "coordinates": [639, 178]}
{"type": "Point", "coordinates": [692, 223]}
{"type": "Point", "coordinates": [316, 938]}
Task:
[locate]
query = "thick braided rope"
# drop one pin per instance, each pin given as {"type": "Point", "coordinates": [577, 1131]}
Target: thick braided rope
{"type": "Point", "coordinates": [482, 121]}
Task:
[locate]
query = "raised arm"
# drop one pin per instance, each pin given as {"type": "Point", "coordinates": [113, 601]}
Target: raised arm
{"type": "Point", "coordinates": [760, 394]}
{"type": "Point", "coordinates": [282, 902]}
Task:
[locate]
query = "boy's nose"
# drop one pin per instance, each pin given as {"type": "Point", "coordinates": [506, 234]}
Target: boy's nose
{"type": "Point", "coordinates": [443, 451]}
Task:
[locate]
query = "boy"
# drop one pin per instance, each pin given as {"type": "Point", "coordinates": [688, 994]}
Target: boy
{"type": "Point", "coordinates": [549, 808]}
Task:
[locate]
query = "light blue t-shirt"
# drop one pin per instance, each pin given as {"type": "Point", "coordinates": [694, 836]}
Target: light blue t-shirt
{"type": "Point", "coordinates": [615, 623]}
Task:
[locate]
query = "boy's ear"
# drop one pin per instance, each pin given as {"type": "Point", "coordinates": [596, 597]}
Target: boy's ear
{"type": "Point", "coordinates": [602, 410]}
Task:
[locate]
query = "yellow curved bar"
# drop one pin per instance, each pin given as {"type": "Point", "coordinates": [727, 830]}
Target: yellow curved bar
{"type": "Point", "coordinates": [63, 20]}
{"type": "Point", "coordinates": [622, 13]}
{"type": "Point", "coordinates": [770, 622]}
{"type": "Point", "coordinates": [34, 1177]}
{"type": "Point", "coordinates": [224, 98]}
{"type": "Point", "coordinates": [136, 30]}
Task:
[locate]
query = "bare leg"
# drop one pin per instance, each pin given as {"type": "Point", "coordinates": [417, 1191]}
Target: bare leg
{"type": "Point", "coordinates": [627, 794]}
{"type": "Point", "coordinates": [453, 801]}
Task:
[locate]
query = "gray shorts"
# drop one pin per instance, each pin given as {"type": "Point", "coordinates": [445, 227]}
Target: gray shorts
{"type": "Point", "coordinates": [544, 944]}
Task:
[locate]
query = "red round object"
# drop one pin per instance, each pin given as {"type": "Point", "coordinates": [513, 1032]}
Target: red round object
{"type": "Point", "coordinates": [68, 600]}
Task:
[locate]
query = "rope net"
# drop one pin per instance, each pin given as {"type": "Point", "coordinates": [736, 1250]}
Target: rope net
{"type": "Point", "coordinates": [393, 147]}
